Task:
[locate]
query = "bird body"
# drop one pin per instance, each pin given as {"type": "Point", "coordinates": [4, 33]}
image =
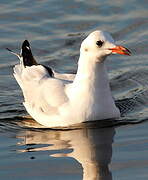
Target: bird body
{"type": "Point", "coordinates": [55, 101]}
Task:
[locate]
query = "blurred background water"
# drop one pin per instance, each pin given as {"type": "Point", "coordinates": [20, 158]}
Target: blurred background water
{"type": "Point", "coordinates": [56, 30]}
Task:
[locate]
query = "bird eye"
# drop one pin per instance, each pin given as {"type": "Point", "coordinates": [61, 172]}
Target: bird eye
{"type": "Point", "coordinates": [99, 43]}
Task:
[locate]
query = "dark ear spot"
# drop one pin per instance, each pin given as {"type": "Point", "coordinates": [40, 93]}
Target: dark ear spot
{"type": "Point", "coordinates": [86, 49]}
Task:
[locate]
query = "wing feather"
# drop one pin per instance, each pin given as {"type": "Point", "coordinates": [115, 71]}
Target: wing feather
{"type": "Point", "coordinates": [41, 91]}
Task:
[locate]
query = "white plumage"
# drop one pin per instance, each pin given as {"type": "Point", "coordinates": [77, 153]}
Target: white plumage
{"type": "Point", "coordinates": [63, 100]}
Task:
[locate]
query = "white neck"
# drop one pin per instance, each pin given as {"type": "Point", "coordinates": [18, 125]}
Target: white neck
{"type": "Point", "coordinates": [91, 89]}
{"type": "Point", "coordinates": [92, 73]}
{"type": "Point", "coordinates": [92, 77]}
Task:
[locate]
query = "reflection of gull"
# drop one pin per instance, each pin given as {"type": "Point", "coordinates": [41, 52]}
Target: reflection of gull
{"type": "Point", "coordinates": [92, 148]}
{"type": "Point", "coordinates": [54, 101]}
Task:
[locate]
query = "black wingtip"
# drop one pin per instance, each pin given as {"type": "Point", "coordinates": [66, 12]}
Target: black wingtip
{"type": "Point", "coordinates": [28, 58]}
{"type": "Point", "coordinates": [27, 42]}
{"type": "Point", "coordinates": [26, 45]}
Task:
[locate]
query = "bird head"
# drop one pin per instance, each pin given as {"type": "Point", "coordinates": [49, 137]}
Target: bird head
{"type": "Point", "coordinates": [100, 44]}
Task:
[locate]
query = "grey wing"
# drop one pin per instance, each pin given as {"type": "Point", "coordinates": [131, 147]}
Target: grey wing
{"type": "Point", "coordinates": [64, 76]}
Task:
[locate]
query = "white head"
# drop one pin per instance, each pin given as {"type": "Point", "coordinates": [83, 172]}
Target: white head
{"type": "Point", "coordinates": [100, 44]}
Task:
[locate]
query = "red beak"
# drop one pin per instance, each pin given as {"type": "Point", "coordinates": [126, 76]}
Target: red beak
{"type": "Point", "coordinates": [120, 50]}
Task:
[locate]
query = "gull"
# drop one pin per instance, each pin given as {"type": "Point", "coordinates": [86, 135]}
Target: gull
{"type": "Point", "coordinates": [58, 100]}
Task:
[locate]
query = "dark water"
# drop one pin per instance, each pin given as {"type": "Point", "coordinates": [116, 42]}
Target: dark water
{"type": "Point", "coordinates": [104, 151]}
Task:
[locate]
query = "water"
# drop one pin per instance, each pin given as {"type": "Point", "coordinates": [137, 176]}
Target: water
{"type": "Point", "coordinates": [108, 150]}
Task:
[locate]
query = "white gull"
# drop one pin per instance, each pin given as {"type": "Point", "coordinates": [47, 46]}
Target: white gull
{"type": "Point", "coordinates": [56, 100]}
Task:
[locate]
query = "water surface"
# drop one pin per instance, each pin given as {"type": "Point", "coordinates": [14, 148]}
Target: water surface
{"type": "Point", "coordinates": [108, 150]}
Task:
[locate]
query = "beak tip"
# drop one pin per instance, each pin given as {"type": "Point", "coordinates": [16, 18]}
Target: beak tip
{"type": "Point", "coordinates": [121, 50]}
{"type": "Point", "coordinates": [128, 51]}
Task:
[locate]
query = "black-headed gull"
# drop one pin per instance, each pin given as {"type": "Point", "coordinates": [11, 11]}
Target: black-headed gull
{"type": "Point", "coordinates": [55, 100]}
